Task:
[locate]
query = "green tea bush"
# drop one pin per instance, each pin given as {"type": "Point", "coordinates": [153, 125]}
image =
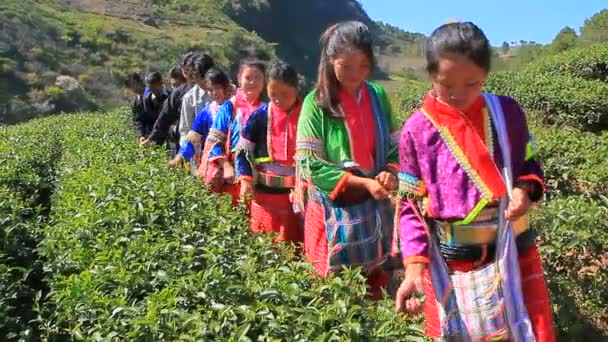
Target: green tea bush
{"type": "Point", "coordinates": [137, 252]}
{"type": "Point", "coordinates": [16, 253]}
{"type": "Point", "coordinates": [568, 89]}
{"type": "Point", "coordinates": [556, 99]}
{"type": "Point", "coordinates": [27, 161]}
{"type": "Point", "coordinates": [573, 231]}
{"type": "Point", "coordinates": [409, 97]}
{"type": "Point", "coordinates": [575, 162]}
{"type": "Point", "coordinates": [589, 62]}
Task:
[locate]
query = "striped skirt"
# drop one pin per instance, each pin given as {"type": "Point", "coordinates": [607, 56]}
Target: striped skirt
{"type": "Point", "coordinates": [316, 250]}
{"type": "Point", "coordinates": [534, 288]}
{"type": "Point", "coordinates": [274, 213]}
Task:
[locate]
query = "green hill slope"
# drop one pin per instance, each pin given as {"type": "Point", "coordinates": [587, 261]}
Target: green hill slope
{"type": "Point", "coordinates": [96, 42]}
{"type": "Point", "coordinates": [41, 40]}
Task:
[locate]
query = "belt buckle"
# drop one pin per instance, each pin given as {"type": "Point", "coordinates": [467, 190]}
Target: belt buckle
{"type": "Point", "coordinates": [475, 235]}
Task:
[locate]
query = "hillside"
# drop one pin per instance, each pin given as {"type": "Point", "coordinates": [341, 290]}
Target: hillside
{"type": "Point", "coordinates": [96, 42]}
{"type": "Point", "coordinates": [295, 26]}
{"type": "Point", "coordinates": [40, 40]}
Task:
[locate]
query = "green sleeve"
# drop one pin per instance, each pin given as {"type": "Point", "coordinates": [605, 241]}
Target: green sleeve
{"type": "Point", "coordinates": [311, 155]}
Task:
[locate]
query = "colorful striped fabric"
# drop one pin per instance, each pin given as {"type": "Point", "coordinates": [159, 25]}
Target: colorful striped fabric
{"type": "Point", "coordinates": [357, 235]}
{"type": "Point", "coordinates": [485, 304]}
{"type": "Point", "coordinates": [410, 186]}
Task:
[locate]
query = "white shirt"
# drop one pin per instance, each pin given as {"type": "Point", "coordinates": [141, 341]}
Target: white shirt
{"type": "Point", "coordinates": [195, 99]}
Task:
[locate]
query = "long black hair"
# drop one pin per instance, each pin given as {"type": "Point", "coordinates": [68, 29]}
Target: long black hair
{"type": "Point", "coordinates": [349, 35]}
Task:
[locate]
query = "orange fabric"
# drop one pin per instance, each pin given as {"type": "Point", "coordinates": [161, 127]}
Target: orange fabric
{"type": "Point", "coordinates": [475, 115]}
{"type": "Point", "coordinates": [274, 213]}
{"type": "Point", "coordinates": [358, 116]}
{"type": "Point", "coordinates": [416, 259]}
{"type": "Point", "coordinates": [315, 250]}
{"type": "Point", "coordinates": [315, 238]}
{"type": "Point", "coordinates": [534, 288]}
{"type": "Point", "coordinates": [468, 139]}
{"type": "Point", "coordinates": [234, 190]}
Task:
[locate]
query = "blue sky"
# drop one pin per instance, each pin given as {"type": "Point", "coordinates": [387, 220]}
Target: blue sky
{"type": "Point", "coordinates": [501, 20]}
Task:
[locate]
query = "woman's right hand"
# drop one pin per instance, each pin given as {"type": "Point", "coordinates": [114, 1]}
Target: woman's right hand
{"type": "Point", "coordinates": [388, 181]}
{"type": "Point", "coordinates": [177, 161]}
{"type": "Point", "coordinates": [408, 295]}
{"type": "Point", "coordinates": [376, 189]}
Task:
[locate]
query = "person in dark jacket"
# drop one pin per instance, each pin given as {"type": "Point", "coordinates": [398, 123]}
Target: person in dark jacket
{"type": "Point", "coordinates": [176, 78]}
{"type": "Point", "coordinates": [135, 83]}
{"type": "Point", "coordinates": [153, 101]}
{"type": "Point", "coordinates": [165, 128]}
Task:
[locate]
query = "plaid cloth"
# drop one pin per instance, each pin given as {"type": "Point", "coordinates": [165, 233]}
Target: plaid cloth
{"type": "Point", "coordinates": [534, 288]}
{"type": "Point", "coordinates": [357, 235]}
{"type": "Point", "coordinates": [316, 251]}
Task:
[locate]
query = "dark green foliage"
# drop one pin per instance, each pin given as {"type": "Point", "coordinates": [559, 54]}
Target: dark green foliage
{"type": "Point", "coordinates": [568, 89]}
{"type": "Point", "coordinates": [134, 251]}
{"type": "Point", "coordinates": [409, 97]}
{"type": "Point", "coordinates": [565, 39]}
{"type": "Point", "coordinates": [28, 156]}
{"type": "Point", "coordinates": [41, 40]}
{"type": "Point", "coordinates": [573, 229]}
{"type": "Point", "coordinates": [575, 161]}
{"type": "Point", "coordinates": [573, 234]}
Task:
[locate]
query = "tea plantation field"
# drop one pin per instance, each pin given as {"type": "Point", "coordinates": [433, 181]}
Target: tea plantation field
{"type": "Point", "coordinates": [99, 241]}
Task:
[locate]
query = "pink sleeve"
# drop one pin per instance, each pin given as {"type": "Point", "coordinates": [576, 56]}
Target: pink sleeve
{"type": "Point", "coordinates": [413, 235]}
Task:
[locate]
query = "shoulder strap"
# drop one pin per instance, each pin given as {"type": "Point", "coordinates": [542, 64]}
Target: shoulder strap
{"type": "Point", "coordinates": [499, 122]}
{"type": "Point", "coordinates": [382, 129]}
{"type": "Point", "coordinates": [506, 251]}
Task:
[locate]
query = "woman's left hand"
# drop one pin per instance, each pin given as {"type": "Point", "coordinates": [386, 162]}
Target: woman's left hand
{"type": "Point", "coordinates": [519, 205]}
{"type": "Point", "coordinates": [388, 180]}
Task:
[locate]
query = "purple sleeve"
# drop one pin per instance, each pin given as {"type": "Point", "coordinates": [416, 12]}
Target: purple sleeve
{"type": "Point", "coordinates": [412, 231]}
